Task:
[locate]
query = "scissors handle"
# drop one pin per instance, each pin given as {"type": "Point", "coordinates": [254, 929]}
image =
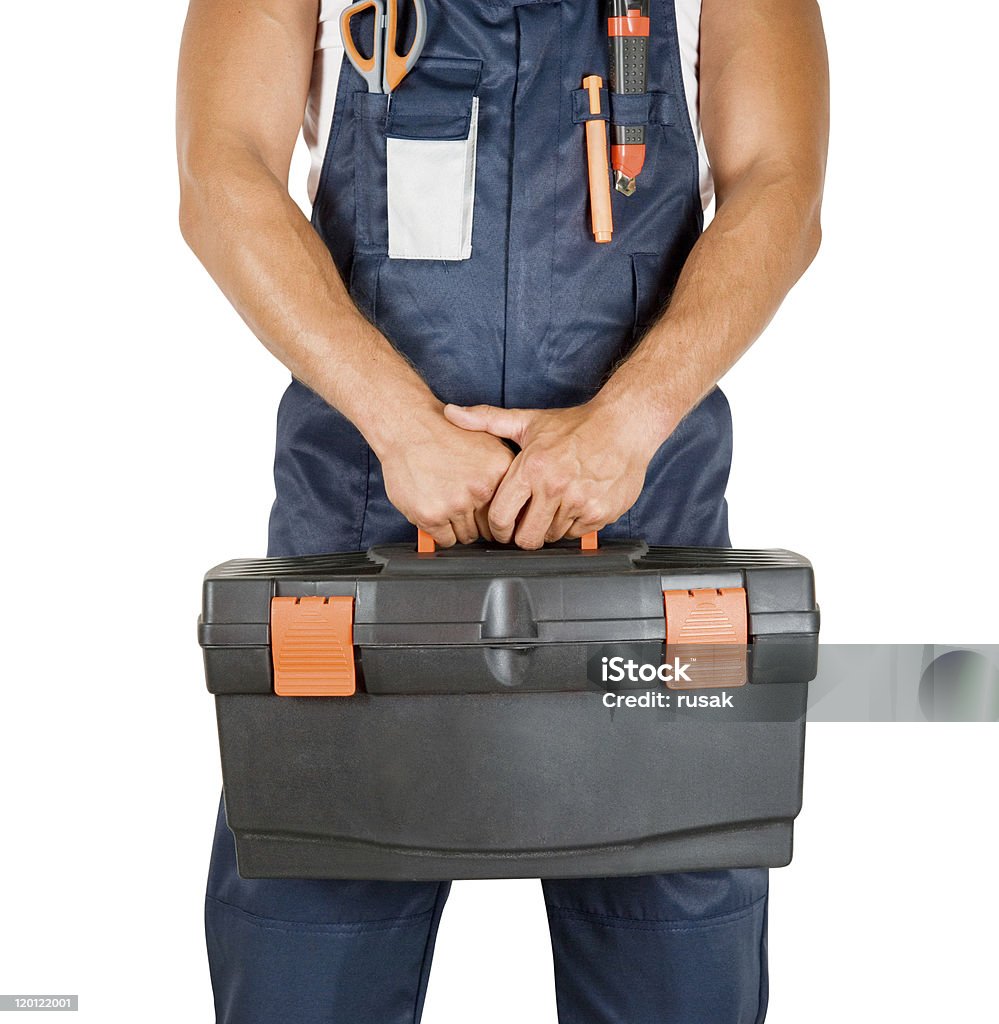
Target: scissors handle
{"type": "Point", "coordinates": [371, 69]}
{"type": "Point", "coordinates": [386, 67]}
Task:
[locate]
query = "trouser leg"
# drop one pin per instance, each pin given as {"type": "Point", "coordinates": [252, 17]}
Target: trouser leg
{"type": "Point", "coordinates": [686, 948]}
{"type": "Point", "coordinates": [311, 951]}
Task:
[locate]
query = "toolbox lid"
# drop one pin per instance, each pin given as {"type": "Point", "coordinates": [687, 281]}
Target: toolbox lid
{"type": "Point", "coordinates": [408, 604]}
{"type": "Point", "coordinates": [395, 584]}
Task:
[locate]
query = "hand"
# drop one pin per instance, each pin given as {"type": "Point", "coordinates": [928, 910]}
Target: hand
{"type": "Point", "coordinates": [442, 478]}
{"type": "Point", "coordinates": [578, 469]}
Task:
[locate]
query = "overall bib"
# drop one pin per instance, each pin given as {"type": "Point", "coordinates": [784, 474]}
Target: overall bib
{"type": "Point", "coordinates": [533, 315]}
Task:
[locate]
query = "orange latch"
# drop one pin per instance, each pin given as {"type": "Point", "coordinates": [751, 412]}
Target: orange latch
{"type": "Point", "coordinates": [716, 617]}
{"type": "Point", "coordinates": [312, 644]}
{"type": "Point", "coordinates": [706, 616]}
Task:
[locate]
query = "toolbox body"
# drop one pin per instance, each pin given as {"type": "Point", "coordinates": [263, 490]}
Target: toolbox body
{"type": "Point", "coordinates": [407, 715]}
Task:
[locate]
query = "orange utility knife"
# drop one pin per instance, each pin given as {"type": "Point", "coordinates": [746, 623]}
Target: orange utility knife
{"type": "Point", "coordinates": [628, 35]}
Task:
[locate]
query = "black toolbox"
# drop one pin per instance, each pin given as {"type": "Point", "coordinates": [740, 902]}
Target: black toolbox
{"type": "Point", "coordinates": [470, 712]}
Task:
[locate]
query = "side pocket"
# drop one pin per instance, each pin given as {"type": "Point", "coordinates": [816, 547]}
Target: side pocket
{"type": "Point", "coordinates": [649, 289]}
{"type": "Point", "coordinates": [431, 133]}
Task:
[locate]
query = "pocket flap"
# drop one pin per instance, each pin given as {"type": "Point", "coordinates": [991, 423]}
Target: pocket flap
{"type": "Point", "coordinates": [435, 100]}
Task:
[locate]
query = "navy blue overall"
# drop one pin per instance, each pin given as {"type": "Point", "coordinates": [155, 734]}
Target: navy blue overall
{"type": "Point", "coordinates": [535, 318]}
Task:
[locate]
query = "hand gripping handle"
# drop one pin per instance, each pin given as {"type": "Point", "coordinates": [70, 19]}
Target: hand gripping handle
{"type": "Point", "coordinates": [425, 543]}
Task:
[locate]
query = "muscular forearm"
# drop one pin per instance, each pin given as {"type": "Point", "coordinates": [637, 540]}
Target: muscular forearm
{"type": "Point", "coordinates": [581, 468]}
{"type": "Point", "coordinates": [268, 260]}
{"type": "Point", "coordinates": [245, 68]}
{"type": "Point", "coordinates": [765, 234]}
{"type": "Point", "coordinates": [764, 104]}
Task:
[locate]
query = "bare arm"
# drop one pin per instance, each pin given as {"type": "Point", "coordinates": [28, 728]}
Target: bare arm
{"type": "Point", "coordinates": [765, 117]}
{"type": "Point", "coordinates": [242, 86]}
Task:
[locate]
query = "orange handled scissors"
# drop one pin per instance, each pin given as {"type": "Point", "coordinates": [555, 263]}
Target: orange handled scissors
{"type": "Point", "coordinates": [386, 67]}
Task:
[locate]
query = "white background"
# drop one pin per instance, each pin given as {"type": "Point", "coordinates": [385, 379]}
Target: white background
{"type": "Point", "coordinates": [137, 433]}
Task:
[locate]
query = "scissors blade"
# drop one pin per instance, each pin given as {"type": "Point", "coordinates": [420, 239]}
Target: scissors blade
{"type": "Point", "coordinates": [396, 65]}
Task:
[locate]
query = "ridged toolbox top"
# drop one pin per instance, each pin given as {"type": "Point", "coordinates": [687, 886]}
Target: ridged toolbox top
{"type": "Point", "coordinates": [488, 617]}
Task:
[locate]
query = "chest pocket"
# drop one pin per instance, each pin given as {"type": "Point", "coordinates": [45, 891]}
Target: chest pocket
{"type": "Point", "coordinates": [415, 163]}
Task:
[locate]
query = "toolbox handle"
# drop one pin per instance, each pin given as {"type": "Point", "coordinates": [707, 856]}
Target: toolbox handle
{"type": "Point", "coordinates": [425, 543]}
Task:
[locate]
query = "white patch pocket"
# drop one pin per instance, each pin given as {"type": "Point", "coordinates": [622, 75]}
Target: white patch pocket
{"type": "Point", "coordinates": [431, 130]}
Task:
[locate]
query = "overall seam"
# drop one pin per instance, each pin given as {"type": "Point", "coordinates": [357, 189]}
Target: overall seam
{"type": "Point", "coordinates": [657, 924]}
{"type": "Point", "coordinates": [512, 142]}
{"type": "Point", "coordinates": [330, 928]}
{"type": "Point", "coordinates": [335, 125]}
{"type": "Point", "coordinates": [558, 149]}
{"type": "Point", "coordinates": [762, 998]}
{"type": "Point", "coordinates": [435, 913]}
{"type": "Point", "coordinates": [680, 92]}
{"type": "Point", "coordinates": [367, 447]}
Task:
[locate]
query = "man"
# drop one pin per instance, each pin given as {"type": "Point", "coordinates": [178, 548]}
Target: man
{"type": "Point", "coordinates": [411, 377]}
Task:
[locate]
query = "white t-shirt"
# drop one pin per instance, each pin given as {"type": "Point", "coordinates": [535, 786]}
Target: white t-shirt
{"type": "Point", "coordinates": [329, 54]}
